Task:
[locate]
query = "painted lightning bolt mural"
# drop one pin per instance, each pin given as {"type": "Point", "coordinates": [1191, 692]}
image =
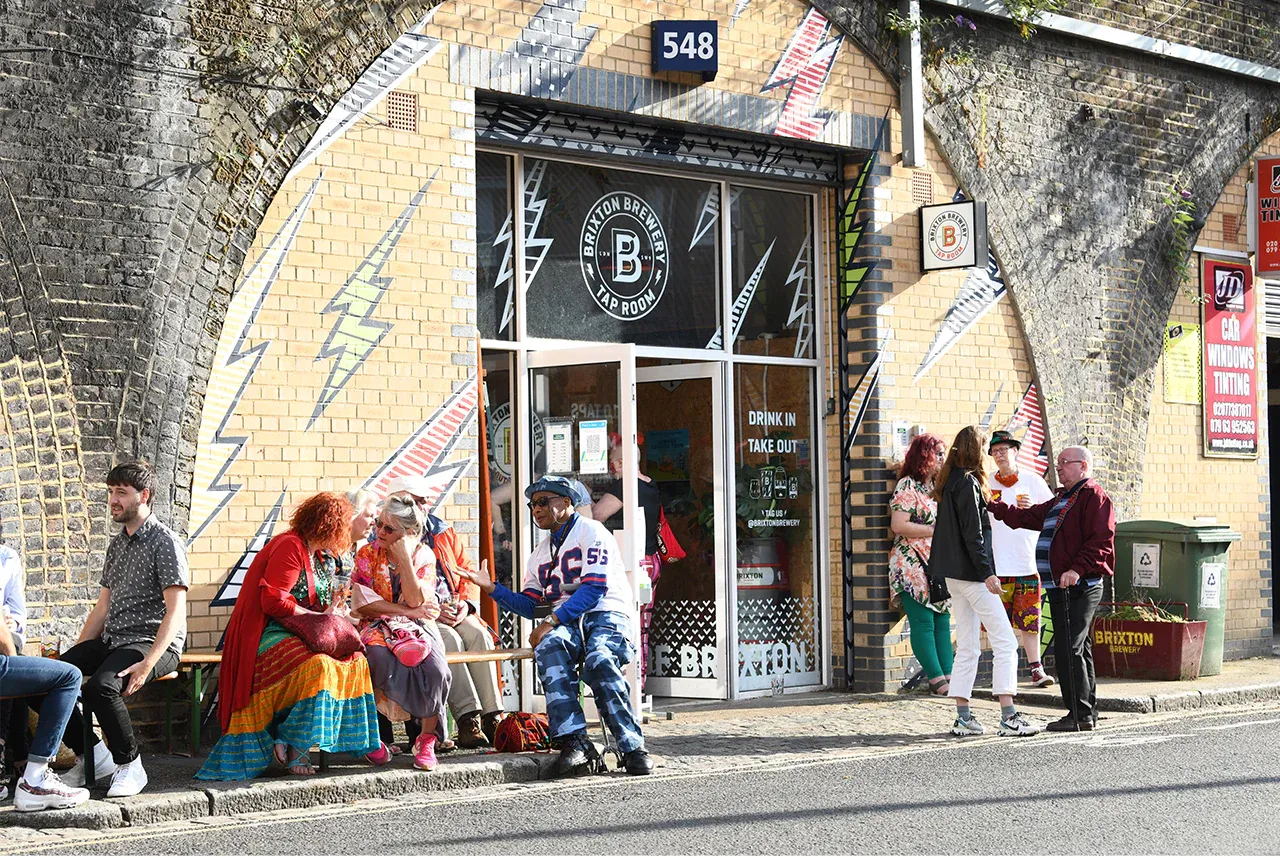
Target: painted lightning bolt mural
{"type": "Point", "coordinates": [707, 217]}
{"type": "Point", "coordinates": [804, 68]}
{"type": "Point", "coordinates": [234, 365]}
{"type": "Point", "coordinates": [991, 409]}
{"type": "Point", "coordinates": [356, 333]}
{"type": "Point", "coordinates": [405, 56]}
{"type": "Point", "coordinates": [507, 273]}
{"type": "Point", "coordinates": [535, 249]}
{"type": "Point", "coordinates": [230, 588]}
{"type": "Point", "coordinates": [739, 7]}
{"type": "Point", "coordinates": [981, 290]}
{"type": "Point", "coordinates": [1032, 454]}
{"type": "Point", "coordinates": [856, 410]}
{"type": "Point", "coordinates": [426, 450]}
{"type": "Point", "coordinates": [549, 48]}
{"type": "Point", "coordinates": [802, 303]}
{"type": "Point", "coordinates": [740, 304]}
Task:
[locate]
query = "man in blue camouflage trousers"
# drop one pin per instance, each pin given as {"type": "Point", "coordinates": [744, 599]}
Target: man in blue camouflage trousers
{"type": "Point", "coordinates": [577, 569]}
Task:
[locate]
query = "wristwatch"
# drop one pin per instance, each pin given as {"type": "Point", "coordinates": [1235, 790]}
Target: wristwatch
{"type": "Point", "coordinates": [552, 620]}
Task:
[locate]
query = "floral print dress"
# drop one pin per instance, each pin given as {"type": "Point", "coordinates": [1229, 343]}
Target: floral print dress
{"type": "Point", "coordinates": [908, 557]}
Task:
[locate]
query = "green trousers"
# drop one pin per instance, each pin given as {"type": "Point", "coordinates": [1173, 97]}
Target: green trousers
{"type": "Point", "coordinates": [930, 638]}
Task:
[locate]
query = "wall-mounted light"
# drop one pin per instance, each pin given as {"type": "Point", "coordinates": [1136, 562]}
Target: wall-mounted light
{"type": "Point", "coordinates": [1086, 112]}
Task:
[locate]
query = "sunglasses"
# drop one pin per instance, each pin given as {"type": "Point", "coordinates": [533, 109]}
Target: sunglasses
{"type": "Point", "coordinates": [384, 528]}
{"type": "Point", "coordinates": [540, 503]}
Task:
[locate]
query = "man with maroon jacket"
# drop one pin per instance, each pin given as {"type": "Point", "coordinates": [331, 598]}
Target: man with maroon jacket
{"type": "Point", "coordinates": [1076, 549]}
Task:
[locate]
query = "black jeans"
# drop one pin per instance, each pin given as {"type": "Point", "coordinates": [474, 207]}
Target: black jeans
{"type": "Point", "coordinates": [386, 730]}
{"type": "Point", "coordinates": [1072, 610]}
{"type": "Point", "coordinates": [102, 694]}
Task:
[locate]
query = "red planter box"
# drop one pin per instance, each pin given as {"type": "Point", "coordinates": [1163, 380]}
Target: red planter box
{"type": "Point", "coordinates": [1139, 649]}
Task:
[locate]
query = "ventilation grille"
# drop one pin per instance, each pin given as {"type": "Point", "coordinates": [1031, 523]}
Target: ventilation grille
{"type": "Point", "coordinates": [922, 188]}
{"type": "Point", "coordinates": [402, 110]}
{"type": "Point", "coordinates": [1230, 227]}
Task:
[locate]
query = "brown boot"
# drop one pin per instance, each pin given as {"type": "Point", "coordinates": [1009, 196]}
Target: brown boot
{"type": "Point", "coordinates": [489, 723]}
{"type": "Point", "coordinates": [469, 733]}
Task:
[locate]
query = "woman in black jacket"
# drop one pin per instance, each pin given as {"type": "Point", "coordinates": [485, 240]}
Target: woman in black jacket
{"type": "Point", "coordinates": [962, 555]}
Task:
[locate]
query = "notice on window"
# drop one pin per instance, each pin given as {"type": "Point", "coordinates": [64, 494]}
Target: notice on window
{"type": "Point", "coordinates": [559, 447]}
{"type": "Point", "coordinates": [1146, 564]}
{"type": "Point", "coordinates": [1182, 364]}
{"type": "Point", "coordinates": [593, 447]}
{"type": "Point", "coordinates": [1211, 584]}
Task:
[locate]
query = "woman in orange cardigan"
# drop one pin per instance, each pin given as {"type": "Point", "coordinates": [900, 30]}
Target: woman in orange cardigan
{"type": "Point", "coordinates": [277, 697]}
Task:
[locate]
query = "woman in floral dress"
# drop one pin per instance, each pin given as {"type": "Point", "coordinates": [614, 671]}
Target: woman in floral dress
{"type": "Point", "coordinates": [912, 514]}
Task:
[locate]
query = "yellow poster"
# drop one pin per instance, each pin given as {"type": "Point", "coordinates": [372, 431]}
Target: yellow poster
{"type": "Point", "coordinates": [1182, 363]}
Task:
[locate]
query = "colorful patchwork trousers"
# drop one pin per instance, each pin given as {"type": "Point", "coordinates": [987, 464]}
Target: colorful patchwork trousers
{"type": "Point", "coordinates": [599, 644]}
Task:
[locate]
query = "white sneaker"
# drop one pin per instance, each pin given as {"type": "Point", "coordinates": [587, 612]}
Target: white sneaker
{"type": "Point", "coordinates": [50, 794]}
{"type": "Point", "coordinates": [967, 727]}
{"type": "Point", "coordinates": [1016, 725]}
{"type": "Point", "coordinates": [103, 767]}
{"type": "Point", "coordinates": [4, 792]}
{"type": "Point", "coordinates": [130, 779]}
{"type": "Point", "coordinates": [1041, 679]}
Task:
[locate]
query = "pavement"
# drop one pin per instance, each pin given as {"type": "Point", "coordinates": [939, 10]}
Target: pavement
{"type": "Point", "coordinates": [684, 737]}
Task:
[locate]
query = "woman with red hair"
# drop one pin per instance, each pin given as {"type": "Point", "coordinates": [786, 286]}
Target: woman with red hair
{"type": "Point", "coordinates": [913, 512]}
{"type": "Point", "coordinates": [277, 697]}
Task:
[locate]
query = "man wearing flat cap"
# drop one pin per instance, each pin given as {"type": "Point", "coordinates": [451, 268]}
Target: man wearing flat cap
{"type": "Point", "coordinates": [577, 569]}
{"type": "Point", "coordinates": [1014, 551]}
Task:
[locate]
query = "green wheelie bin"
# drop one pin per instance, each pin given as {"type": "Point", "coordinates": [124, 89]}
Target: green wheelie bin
{"type": "Point", "coordinates": [1179, 561]}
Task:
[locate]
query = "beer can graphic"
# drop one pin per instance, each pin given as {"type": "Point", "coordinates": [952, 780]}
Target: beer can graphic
{"type": "Point", "coordinates": [766, 483]}
{"type": "Point", "coordinates": [754, 488]}
{"type": "Point", "coordinates": [779, 484]}
{"type": "Point", "coordinates": [793, 488]}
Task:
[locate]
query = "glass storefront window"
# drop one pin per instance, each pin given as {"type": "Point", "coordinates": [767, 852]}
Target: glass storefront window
{"type": "Point", "coordinates": [495, 247]}
{"type": "Point", "coordinates": [621, 257]}
{"type": "Point", "coordinates": [773, 272]}
{"type": "Point", "coordinates": [500, 428]}
{"type": "Point", "coordinates": [778, 603]}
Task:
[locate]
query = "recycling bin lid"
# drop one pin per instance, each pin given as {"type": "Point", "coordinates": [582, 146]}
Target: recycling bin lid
{"type": "Point", "coordinates": [1205, 529]}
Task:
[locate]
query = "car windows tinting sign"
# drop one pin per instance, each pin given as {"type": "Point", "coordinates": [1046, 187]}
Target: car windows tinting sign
{"type": "Point", "coordinates": [1230, 375]}
{"type": "Point", "coordinates": [1268, 258]}
{"type": "Point", "coordinates": [953, 235]}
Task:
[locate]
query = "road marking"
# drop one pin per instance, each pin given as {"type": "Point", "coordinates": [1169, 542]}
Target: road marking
{"type": "Point", "coordinates": [1236, 724]}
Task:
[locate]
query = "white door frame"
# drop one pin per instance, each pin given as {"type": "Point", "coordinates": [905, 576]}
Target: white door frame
{"type": "Point", "coordinates": [717, 688]}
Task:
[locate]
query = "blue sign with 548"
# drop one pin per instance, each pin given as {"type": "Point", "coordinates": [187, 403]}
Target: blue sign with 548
{"type": "Point", "coordinates": [687, 46]}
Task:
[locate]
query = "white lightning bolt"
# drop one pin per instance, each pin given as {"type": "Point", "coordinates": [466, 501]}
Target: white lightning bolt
{"type": "Point", "coordinates": [230, 588]}
{"type": "Point", "coordinates": [738, 8]}
{"type": "Point", "coordinates": [356, 333]}
{"type": "Point", "coordinates": [506, 274]}
{"type": "Point", "coordinates": [802, 303]}
{"type": "Point", "coordinates": [535, 249]}
{"type": "Point", "coordinates": [804, 66]}
{"type": "Point", "coordinates": [708, 216]}
{"type": "Point", "coordinates": [234, 366]}
{"type": "Point", "coordinates": [740, 304]}
{"type": "Point", "coordinates": [991, 409]}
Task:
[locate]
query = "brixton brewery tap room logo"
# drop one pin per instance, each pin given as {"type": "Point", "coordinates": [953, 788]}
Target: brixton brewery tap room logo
{"type": "Point", "coordinates": [1228, 290]}
{"type": "Point", "coordinates": [949, 236]}
{"type": "Point", "coordinates": [624, 255]}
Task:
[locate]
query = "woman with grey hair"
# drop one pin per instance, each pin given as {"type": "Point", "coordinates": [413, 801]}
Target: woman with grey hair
{"type": "Point", "coordinates": [395, 594]}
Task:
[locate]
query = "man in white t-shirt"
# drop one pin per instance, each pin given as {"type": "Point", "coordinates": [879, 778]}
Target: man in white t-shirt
{"type": "Point", "coordinates": [1015, 550]}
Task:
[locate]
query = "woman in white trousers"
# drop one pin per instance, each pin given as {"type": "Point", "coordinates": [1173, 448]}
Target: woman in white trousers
{"type": "Point", "coordinates": [962, 556]}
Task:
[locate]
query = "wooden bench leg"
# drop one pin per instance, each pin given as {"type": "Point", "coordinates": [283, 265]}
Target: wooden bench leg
{"type": "Point", "coordinates": [197, 698]}
{"type": "Point", "coordinates": [324, 760]}
{"type": "Point", "coordinates": [90, 775]}
{"type": "Point", "coordinates": [168, 716]}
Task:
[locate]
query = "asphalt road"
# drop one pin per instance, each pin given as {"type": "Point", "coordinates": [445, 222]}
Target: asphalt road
{"type": "Point", "coordinates": [1197, 784]}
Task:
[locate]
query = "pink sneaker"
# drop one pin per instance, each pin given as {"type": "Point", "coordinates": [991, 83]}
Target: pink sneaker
{"type": "Point", "coordinates": [424, 752]}
{"type": "Point", "coordinates": [380, 757]}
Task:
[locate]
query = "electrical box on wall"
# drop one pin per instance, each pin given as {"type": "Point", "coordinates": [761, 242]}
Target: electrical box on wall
{"type": "Point", "coordinates": [686, 46]}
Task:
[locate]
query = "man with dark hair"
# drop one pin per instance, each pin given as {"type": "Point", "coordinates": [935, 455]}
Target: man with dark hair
{"type": "Point", "coordinates": [135, 631]}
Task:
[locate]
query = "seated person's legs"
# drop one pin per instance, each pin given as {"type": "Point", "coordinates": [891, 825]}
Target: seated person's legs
{"type": "Point", "coordinates": [463, 701]}
{"type": "Point", "coordinates": [558, 655]}
{"type": "Point", "coordinates": [57, 685]}
{"type": "Point", "coordinates": [607, 651]}
{"type": "Point", "coordinates": [484, 675]}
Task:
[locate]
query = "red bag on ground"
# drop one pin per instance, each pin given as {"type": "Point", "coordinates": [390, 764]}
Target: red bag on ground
{"type": "Point", "coordinates": [667, 545]}
{"type": "Point", "coordinates": [522, 731]}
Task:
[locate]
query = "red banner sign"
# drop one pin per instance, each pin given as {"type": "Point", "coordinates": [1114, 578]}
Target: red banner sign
{"type": "Point", "coordinates": [1229, 373]}
{"type": "Point", "coordinates": [1268, 178]}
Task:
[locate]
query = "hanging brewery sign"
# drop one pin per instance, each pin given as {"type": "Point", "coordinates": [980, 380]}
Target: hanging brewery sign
{"type": "Point", "coordinates": [1229, 374]}
{"type": "Point", "coordinates": [624, 255]}
{"type": "Point", "coordinates": [1268, 215]}
{"type": "Point", "coordinates": [953, 235]}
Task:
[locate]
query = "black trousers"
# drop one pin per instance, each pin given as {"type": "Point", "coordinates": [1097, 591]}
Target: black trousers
{"type": "Point", "coordinates": [1072, 610]}
{"type": "Point", "coordinates": [386, 730]}
{"type": "Point", "coordinates": [102, 693]}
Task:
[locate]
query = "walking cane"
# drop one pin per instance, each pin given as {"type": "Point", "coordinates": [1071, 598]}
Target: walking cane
{"type": "Point", "coordinates": [1069, 666]}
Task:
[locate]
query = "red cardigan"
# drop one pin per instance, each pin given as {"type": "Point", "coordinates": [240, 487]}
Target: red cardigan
{"type": "Point", "coordinates": [264, 593]}
{"type": "Point", "coordinates": [1085, 540]}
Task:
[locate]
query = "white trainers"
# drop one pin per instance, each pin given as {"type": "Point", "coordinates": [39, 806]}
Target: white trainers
{"type": "Point", "coordinates": [1016, 725]}
{"type": "Point", "coordinates": [130, 779]}
{"type": "Point", "coordinates": [967, 727]}
{"type": "Point", "coordinates": [49, 794]}
{"type": "Point", "coordinates": [103, 767]}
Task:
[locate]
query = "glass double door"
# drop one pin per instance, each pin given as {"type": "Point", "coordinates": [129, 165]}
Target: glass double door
{"type": "Point", "coordinates": [648, 445]}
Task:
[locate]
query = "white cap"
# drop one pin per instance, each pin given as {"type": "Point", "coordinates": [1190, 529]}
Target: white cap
{"type": "Point", "coordinates": [419, 487]}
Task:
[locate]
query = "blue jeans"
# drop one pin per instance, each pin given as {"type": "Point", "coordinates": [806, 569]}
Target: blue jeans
{"type": "Point", "coordinates": [601, 647]}
{"type": "Point", "coordinates": [25, 676]}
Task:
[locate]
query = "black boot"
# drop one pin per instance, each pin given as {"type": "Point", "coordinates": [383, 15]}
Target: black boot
{"type": "Point", "coordinates": [578, 756]}
{"type": "Point", "coordinates": [637, 762]}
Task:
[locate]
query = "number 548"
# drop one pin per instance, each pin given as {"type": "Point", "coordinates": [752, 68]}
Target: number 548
{"type": "Point", "coordinates": [701, 48]}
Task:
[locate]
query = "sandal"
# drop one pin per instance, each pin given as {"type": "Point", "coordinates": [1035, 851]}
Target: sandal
{"type": "Point", "coordinates": [301, 760]}
{"type": "Point", "coordinates": [939, 687]}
